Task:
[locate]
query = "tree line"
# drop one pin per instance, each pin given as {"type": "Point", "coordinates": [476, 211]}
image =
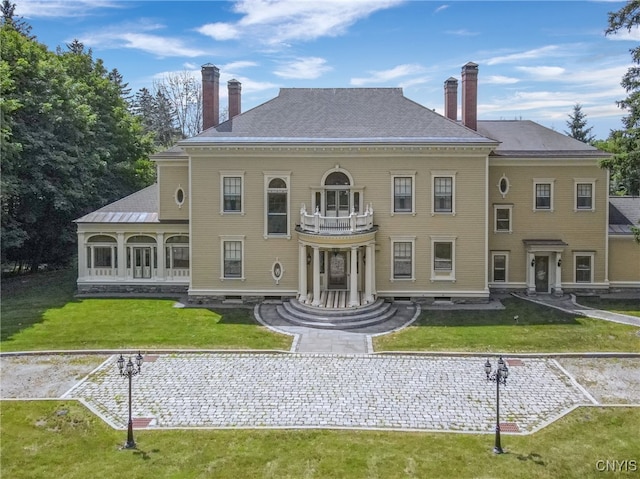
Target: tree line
{"type": "Point", "coordinates": [73, 138]}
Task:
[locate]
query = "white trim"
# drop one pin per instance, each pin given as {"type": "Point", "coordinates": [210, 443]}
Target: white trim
{"type": "Point", "coordinates": [443, 275]}
{"type": "Point", "coordinates": [592, 256]}
{"type": "Point", "coordinates": [184, 196]}
{"type": "Point", "coordinates": [232, 174]}
{"type": "Point", "coordinates": [543, 181]}
{"type": "Point", "coordinates": [506, 267]}
{"type": "Point", "coordinates": [443, 174]}
{"type": "Point", "coordinates": [403, 174]}
{"type": "Point", "coordinates": [584, 181]}
{"type": "Point", "coordinates": [495, 218]}
{"type": "Point", "coordinates": [506, 191]}
{"type": "Point", "coordinates": [232, 238]}
{"type": "Point", "coordinates": [435, 293]}
{"type": "Point", "coordinates": [268, 177]}
{"type": "Point", "coordinates": [403, 239]}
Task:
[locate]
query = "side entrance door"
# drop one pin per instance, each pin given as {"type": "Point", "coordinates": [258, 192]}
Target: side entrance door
{"type": "Point", "coordinates": [542, 274]}
{"type": "Point", "coordinates": [141, 262]}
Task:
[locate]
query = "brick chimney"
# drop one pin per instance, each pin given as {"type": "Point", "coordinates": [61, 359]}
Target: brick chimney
{"type": "Point", "coordinates": [451, 98]}
{"type": "Point", "coordinates": [210, 96]}
{"type": "Point", "coordinates": [234, 87]}
{"type": "Point", "coordinates": [470, 95]}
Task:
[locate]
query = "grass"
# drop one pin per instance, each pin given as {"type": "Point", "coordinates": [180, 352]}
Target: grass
{"type": "Point", "coordinates": [40, 313]}
{"type": "Point", "coordinates": [34, 433]}
{"type": "Point", "coordinates": [630, 307]}
{"type": "Point", "coordinates": [537, 329]}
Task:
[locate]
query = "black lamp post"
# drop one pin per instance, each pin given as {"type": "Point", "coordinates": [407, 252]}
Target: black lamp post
{"type": "Point", "coordinates": [129, 371]}
{"type": "Point", "coordinates": [500, 377]}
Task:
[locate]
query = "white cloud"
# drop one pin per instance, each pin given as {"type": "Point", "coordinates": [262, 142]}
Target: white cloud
{"type": "Point", "coordinates": [239, 65]}
{"type": "Point", "coordinates": [275, 22]}
{"type": "Point", "coordinates": [542, 52]}
{"type": "Point", "coordinates": [441, 8]}
{"type": "Point", "coordinates": [628, 35]}
{"type": "Point", "coordinates": [499, 80]}
{"type": "Point", "coordinates": [308, 68]}
{"type": "Point", "coordinates": [62, 8]}
{"type": "Point", "coordinates": [462, 33]}
{"type": "Point", "coordinates": [382, 76]}
{"type": "Point", "coordinates": [543, 72]}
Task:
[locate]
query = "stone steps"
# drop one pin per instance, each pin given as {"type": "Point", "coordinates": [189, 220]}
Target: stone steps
{"type": "Point", "coordinates": [339, 319]}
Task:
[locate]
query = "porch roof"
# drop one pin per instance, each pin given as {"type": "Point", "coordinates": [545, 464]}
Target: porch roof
{"type": "Point", "coordinates": [624, 212]}
{"type": "Point", "coordinates": [139, 207]}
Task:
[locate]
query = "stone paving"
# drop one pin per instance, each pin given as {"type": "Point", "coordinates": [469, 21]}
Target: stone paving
{"type": "Point", "coordinates": [231, 390]}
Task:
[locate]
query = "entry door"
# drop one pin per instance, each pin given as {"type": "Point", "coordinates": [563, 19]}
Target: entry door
{"type": "Point", "coordinates": [142, 262]}
{"type": "Point", "coordinates": [337, 203]}
{"type": "Point", "coordinates": [542, 274]}
{"type": "Point", "coordinates": [337, 273]}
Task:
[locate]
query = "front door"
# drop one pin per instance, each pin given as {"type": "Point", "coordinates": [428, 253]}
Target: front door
{"type": "Point", "coordinates": [337, 273]}
{"type": "Point", "coordinates": [542, 274]}
{"type": "Point", "coordinates": [142, 262]}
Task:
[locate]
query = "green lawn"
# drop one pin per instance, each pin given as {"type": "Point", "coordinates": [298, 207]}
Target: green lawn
{"type": "Point", "coordinates": [40, 313]}
{"type": "Point", "coordinates": [61, 439]}
{"type": "Point", "coordinates": [623, 306]}
{"type": "Point", "coordinates": [537, 329]}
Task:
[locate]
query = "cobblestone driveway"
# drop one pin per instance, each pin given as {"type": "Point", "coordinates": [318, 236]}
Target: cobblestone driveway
{"type": "Point", "coordinates": [273, 390]}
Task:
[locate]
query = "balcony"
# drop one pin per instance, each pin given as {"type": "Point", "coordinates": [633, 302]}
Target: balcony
{"type": "Point", "coordinates": [336, 225]}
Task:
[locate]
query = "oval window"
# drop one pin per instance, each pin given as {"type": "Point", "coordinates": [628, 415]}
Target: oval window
{"type": "Point", "coordinates": [503, 185]}
{"type": "Point", "coordinates": [277, 270]}
{"type": "Point", "coordinates": [179, 196]}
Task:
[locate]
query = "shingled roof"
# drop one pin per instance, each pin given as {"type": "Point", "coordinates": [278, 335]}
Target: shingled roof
{"type": "Point", "coordinates": [624, 212]}
{"type": "Point", "coordinates": [340, 114]}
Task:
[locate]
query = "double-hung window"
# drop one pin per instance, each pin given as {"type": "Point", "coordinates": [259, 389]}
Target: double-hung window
{"type": "Point", "coordinates": [584, 190]}
{"type": "Point", "coordinates": [584, 267]}
{"type": "Point", "coordinates": [443, 258]}
{"type": "Point", "coordinates": [499, 267]}
{"type": "Point", "coordinates": [232, 255]}
{"type": "Point", "coordinates": [543, 194]}
{"type": "Point", "coordinates": [232, 192]}
{"type": "Point", "coordinates": [502, 218]}
{"type": "Point", "coordinates": [402, 192]}
{"type": "Point", "coordinates": [444, 192]}
{"type": "Point", "coordinates": [402, 255]}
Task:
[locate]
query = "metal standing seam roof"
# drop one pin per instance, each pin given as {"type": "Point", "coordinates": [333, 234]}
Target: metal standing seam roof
{"type": "Point", "coordinates": [139, 207]}
{"type": "Point", "coordinates": [624, 212]}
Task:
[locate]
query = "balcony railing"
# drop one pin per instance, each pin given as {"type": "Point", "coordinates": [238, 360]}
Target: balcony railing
{"type": "Point", "coordinates": [336, 225]}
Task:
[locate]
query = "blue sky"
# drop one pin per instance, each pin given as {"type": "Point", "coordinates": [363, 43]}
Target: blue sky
{"type": "Point", "coordinates": [536, 59]}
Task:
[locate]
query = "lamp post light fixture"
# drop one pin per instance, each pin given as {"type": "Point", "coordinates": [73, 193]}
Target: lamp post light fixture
{"type": "Point", "coordinates": [500, 377]}
{"type": "Point", "coordinates": [129, 370]}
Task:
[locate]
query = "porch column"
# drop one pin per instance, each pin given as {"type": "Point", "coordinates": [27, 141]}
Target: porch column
{"type": "Point", "coordinates": [160, 267]}
{"type": "Point", "coordinates": [557, 288]}
{"type": "Point", "coordinates": [531, 277]}
{"type": "Point", "coordinates": [122, 257]}
{"type": "Point", "coordinates": [353, 287]}
{"type": "Point", "coordinates": [302, 271]}
{"type": "Point", "coordinates": [368, 278]}
{"type": "Point", "coordinates": [82, 256]}
{"type": "Point", "coordinates": [316, 276]}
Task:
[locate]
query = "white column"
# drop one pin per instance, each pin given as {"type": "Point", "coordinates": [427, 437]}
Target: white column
{"type": "Point", "coordinates": [122, 257]}
{"type": "Point", "coordinates": [557, 288]}
{"type": "Point", "coordinates": [374, 290]}
{"type": "Point", "coordinates": [353, 287]}
{"type": "Point", "coordinates": [531, 277]}
{"type": "Point", "coordinates": [162, 254]}
{"type": "Point", "coordinates": [368, 278]}
{"type": "Point", "coordinates": [316, 276]}
{"type": "Point", "coordinates": [302, 271]}
{"type": "Point", "coordinates": [82, 256]}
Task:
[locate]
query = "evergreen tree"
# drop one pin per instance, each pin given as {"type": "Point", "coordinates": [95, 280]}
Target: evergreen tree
{"type": "Point", "coordinates": [577, 124]}
{"type": "Point", "coordinates": [625, 165]}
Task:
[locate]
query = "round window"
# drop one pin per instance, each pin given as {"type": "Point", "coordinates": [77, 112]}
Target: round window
{"type": "Point", "coordinates": [503, 185]}
{"type": "Point", "coordinates": [179, 196]}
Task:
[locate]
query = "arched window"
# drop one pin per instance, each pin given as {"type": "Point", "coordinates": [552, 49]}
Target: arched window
{"type": "Point", "coordinates": [102, 252]}
{"type": "Point", "coordinates": [337, 178]}
{"type": "Point", "coordinates": [277, 207]}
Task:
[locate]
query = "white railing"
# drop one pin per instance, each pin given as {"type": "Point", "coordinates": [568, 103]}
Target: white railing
{"type": "Point", "coordinates": [336, 225]}
{"type": "Point", "coordinates": [101, 272]}
{"type": "Point", "coordinates": [178, 273]}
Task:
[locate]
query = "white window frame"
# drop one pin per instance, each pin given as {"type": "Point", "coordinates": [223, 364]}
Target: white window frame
{"type": "Point", "coordinates": [439, 274]}
{"type": "Point", "coordinates": [403, 174]}
{"type": "Point", "coordinates": [495, 218]}
{"type": "Point", "coordinates": [403, 239]}
{"type": "Point", "coordinates": [92, 246]}
{"type": "Point", "coordinates": [230, 239]}
{"type": "Point", "coordinates": [443, 174]}
{"type": "Point", "coordinates": [584, 181]}
{"type": "Point", "coordinates": [268, 177]}
{"type": "Point", "coordinates": [232, 174]}
{"type": "Point", "coordinates": [591, 255]}
{"type": "Point", "coordinates": [543, 181]}
{"type": "Point", "coordinates": [506, 266]}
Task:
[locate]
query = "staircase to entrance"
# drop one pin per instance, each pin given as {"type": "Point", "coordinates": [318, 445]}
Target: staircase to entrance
{"type": "Point", "coordinates": [339, 318]}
